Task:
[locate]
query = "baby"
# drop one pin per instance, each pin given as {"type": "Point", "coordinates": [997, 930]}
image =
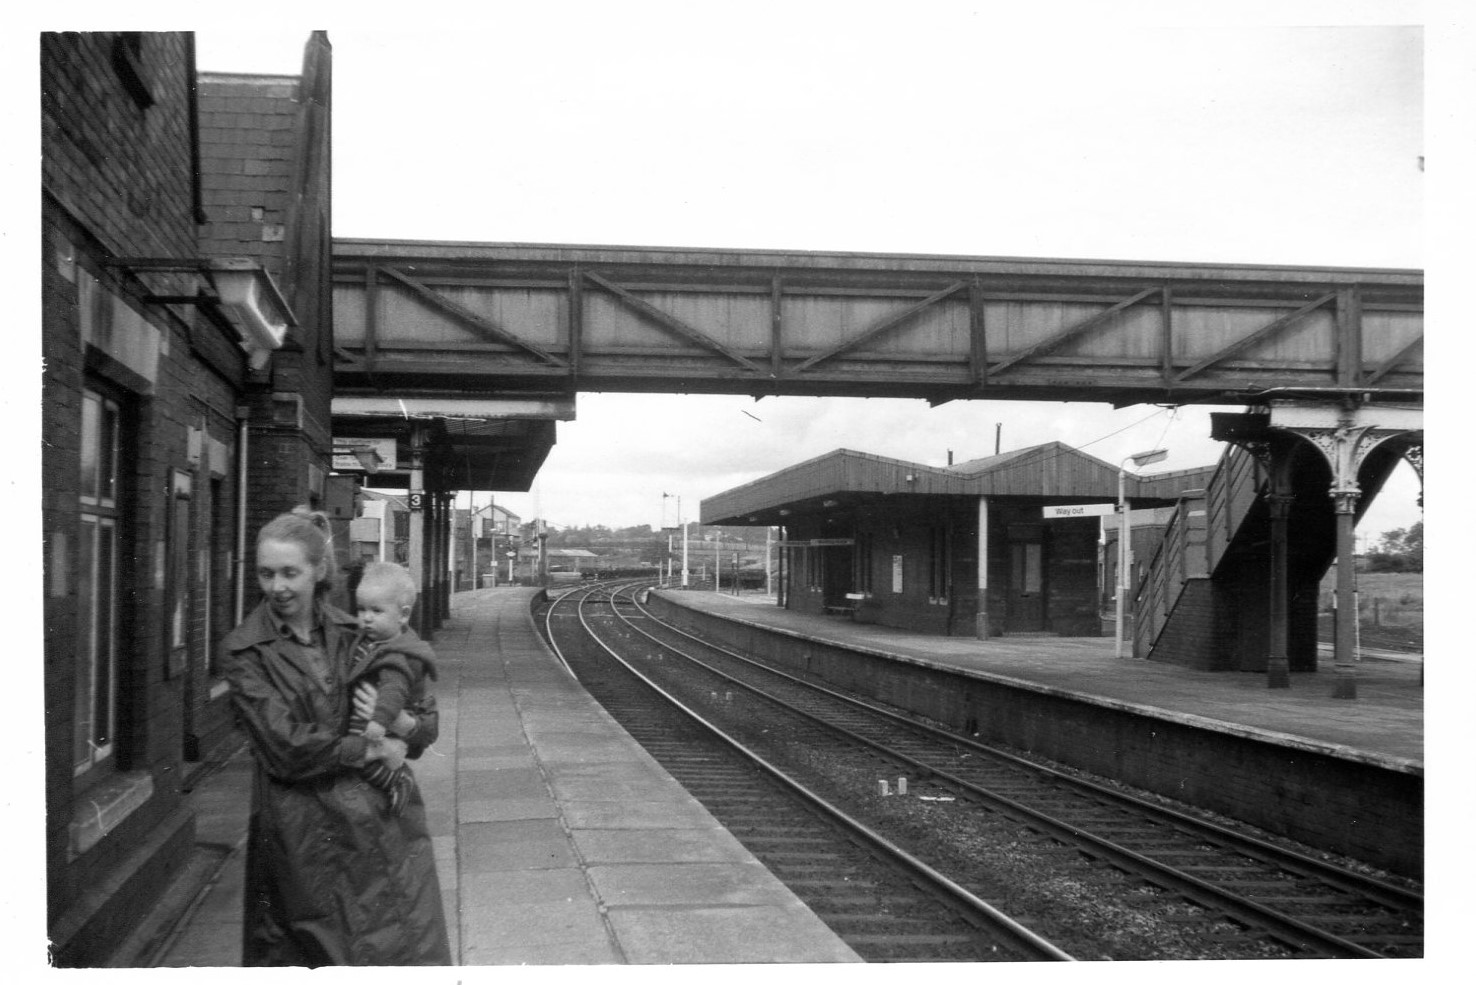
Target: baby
{"type": "Point", "coordinates": [397, 662]}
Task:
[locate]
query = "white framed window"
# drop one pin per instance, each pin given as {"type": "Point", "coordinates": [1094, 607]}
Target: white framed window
{"type": "Point", "coordinates": [94, 713]}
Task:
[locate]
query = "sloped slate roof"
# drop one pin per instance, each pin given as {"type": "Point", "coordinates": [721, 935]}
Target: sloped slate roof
{"type": "Point", "coordinates": [1053, 471]}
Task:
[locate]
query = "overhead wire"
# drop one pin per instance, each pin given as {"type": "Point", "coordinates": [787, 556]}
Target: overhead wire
{"type": "Point", "coordinates": [1035, 462]}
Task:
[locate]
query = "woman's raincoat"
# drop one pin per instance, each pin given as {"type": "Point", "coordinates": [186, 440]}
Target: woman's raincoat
{"type": "Point", "coordinates": [331, 878]}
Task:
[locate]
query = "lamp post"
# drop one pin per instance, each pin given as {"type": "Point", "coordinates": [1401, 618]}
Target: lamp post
{"type": "Point", "coordinates": [471, 529]}
{"type": "Point", "coordinates": [1124, 531]}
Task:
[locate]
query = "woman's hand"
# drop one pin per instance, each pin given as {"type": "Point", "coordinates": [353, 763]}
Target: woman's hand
{"type": "Point", "coordinates": [365, 695]}
{"type": "Point", "coordinates": [391, 750]}
{"type": "Point", "coordinates": [404, 724]}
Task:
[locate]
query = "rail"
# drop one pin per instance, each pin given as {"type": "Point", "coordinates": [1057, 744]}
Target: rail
{"type": "Point", "coordinates": [910, 871]}
{"type": "Point", "coordinates": [1306, 904]}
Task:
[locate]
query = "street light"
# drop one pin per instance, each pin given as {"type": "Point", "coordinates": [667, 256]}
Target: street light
{"type": "Point", "coordinates": [1124, 530]}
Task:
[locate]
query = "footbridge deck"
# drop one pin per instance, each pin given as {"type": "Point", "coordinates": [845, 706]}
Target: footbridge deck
{"type": "Point", "coordinates": [440, 317]}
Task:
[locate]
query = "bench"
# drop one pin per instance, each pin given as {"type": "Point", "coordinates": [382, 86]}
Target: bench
{"type": "Point", "coordinates": [848, 607]}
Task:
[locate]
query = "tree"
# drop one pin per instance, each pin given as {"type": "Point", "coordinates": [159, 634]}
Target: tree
{"type": "Point", "coordinates": [1400, 550]}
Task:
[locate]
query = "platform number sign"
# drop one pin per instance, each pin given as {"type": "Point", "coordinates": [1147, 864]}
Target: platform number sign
{"type": "Point", "coordinates": [417, 501]}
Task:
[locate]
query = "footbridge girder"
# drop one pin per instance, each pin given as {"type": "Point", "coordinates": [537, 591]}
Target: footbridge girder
{"type": "Point", "coordinates": [435, 317]}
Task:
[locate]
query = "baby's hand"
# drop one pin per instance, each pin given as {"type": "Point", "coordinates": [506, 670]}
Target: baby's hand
{"type": "Point", "coordinates": [365, 695]}
{"type": "Point", "coordinates": [373, 731]}
{"type": "Point", "coordinates": [404, 724]}
{"type": "Point", "coordinates": [394, 754]}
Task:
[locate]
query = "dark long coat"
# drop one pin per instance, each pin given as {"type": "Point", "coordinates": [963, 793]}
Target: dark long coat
{"type": "Point", "coordinates": [331, 878]}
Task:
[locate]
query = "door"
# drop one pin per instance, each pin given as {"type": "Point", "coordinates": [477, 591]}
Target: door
{"type": "Point", "coordinates": [1025, 610]}
{"type": "Point", "coordinates": [835, 573]}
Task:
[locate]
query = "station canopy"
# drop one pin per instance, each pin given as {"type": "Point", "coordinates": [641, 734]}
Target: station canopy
{"type": "Point", "coordinates": [484, 444]}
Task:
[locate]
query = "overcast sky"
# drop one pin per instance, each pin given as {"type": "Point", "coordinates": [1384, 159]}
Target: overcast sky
{"type": "Point", "coordinates": [1289, 138]}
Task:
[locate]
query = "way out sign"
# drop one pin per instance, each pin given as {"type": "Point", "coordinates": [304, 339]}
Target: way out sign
{"type": "Point", "coordinates": [1081, 509]}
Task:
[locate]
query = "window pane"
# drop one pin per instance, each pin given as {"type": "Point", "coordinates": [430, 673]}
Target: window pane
{"type": "Point", "coordinates": [86, 645]}
{"type": "Point", "coordinates": [107, 453]}
{"type": "Point", "coordinates": [178, 587]}
{"type": "Point", "coordinates": [91, 414]}
{"type": "Point", "coordinates": [107, 616]}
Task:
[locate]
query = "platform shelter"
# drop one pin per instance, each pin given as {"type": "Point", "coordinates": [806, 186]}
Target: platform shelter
{"type": "Point", "coordinates": [981, 548]}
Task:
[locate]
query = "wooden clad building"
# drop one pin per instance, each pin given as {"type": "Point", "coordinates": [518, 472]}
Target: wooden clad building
{"type": "Point", "coordinates": [965, 550]}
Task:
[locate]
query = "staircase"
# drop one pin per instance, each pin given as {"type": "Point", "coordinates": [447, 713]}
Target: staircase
{"type": "Point", "coordinates": [1204, 599]}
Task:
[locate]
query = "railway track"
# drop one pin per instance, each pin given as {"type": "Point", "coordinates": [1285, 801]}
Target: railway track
{"type": "Point", "coordinates": [1236, 894]}
{"type": "Point", "coordinates": [886, 904]}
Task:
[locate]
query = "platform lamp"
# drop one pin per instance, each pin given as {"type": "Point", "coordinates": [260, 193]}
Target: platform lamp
{"type": "Point", "coordinates": [680, 523]}
{"type": "Point", "coordinates": [1125, 529]}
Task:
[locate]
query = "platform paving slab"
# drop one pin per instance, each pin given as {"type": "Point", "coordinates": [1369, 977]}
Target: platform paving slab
{"type": "Point", "coordinates": [604, 846]}
{"type": "Point", "coordinates": [722, 935]}
{"type": "Point", "coordinates": [688, 884]}
{"type": "Point", "coordinates": [499, 846]}
{"type": "Point", "coordinates": [635, 815]}
{"type": "Point", "coordinates": [538, 924]}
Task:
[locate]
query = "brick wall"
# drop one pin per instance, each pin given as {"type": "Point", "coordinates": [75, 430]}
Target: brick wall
{"type": "Point", "coordinates": [266, 186]}
{"type": "Point", "coordinates": [1069, 557]}
{"type": "Point", "coordinates": [1196, 634]}
{"type": "Point", "coordinates": [118, 182]}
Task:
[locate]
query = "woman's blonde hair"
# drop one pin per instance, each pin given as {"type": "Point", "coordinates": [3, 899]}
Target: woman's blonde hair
{"type": "Point", "coordinates": [308, 528]}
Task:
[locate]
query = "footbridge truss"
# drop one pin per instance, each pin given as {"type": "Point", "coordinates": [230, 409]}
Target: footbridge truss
{"type": "Point", "coordinates": [462, 355]}
{"type": "Point", "coordinates": [422, 318]}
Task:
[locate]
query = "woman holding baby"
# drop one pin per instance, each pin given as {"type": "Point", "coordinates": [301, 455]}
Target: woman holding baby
{"type": "Point", "coordinates": [332, 878]}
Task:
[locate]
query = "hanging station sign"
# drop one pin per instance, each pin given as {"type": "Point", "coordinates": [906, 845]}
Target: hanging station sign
{"type": "Point", "coordinates": [364, 455]}
{"type": "Point", "coordinates": [1078, 509]}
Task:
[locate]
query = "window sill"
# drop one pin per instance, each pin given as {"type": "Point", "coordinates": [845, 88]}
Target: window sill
{"type": "Point", "coordinates": [104, 807]}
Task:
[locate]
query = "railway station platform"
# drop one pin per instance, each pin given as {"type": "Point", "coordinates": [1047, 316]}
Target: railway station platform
{"type": "Point", "coordinates": [1385, 723]}
{"type": "Point", "coordinates": [558, 839]}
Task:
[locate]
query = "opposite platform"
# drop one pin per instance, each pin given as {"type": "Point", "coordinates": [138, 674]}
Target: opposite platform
{"type": "Point", "coordinates": [558, 839]}
{"type": "Point", "coordinates": [1384, 724]}
{"type": "Point", "coordinates": [1339, 775]}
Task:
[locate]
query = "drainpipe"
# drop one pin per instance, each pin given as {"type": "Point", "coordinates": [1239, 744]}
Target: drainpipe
{"type": "Point", "coordinates": [242, 433]}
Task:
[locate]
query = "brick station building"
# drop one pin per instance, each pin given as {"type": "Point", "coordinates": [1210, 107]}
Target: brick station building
{"type": "Point", "coordinates": [188, 369]}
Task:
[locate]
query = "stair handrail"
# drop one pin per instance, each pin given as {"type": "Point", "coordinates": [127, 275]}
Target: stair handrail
{"type": "Point", "coordinates": [1165, 575]}
{"type": "Point", "coordinates": [1232, 490]}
